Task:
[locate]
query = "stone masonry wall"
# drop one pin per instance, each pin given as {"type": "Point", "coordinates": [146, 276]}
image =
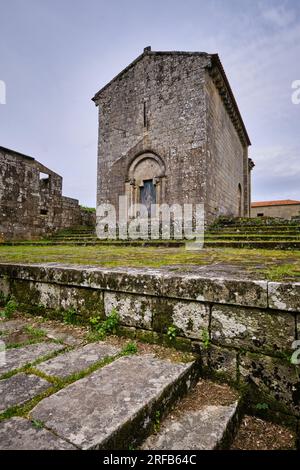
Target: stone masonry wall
{"type": "Point", "coordinates": [166, 106]}
{"type": "Point", "coordinates": [31, 201]}
{"type": "Point", "coordinates": [242, 329]}
{"type": "Point", "coordinates": [71, 212]}
{"type": "Point", "coordinates": [284, 211]}
{"type": "Point", "coordinates": [225, 161]}
{"type": "Point", "coordinates": [170, 89]}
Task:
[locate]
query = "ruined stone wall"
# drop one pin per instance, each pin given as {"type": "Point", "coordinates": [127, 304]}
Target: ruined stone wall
{"type": "Point", "coordinates": [31, 201]}
{"type": "Point", "coordinates": [87, 217]}
{"type": "Point", "coordinates": [71, 213]}
{"type": "Point", "coordinates": [169, 90]}
{"type": "Point", "coordinates": [29, 197]}
{"type": "Point", "coordinates": [284, 211]}
{"type": "Point", "coordinates": [242, 329]}
{"type": "Point", "coordinates": [227, 160]}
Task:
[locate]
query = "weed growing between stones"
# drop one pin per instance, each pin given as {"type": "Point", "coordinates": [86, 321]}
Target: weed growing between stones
{"type": "Point", "coordinates": [36, 423]}
{"type": "Point", "coordinates": [205, 338]}
{"type": "Point", "coordinates": [130, 348]}
{"type": "Point", "coordinates": [71, 316]}
{"type": "Point", "coordinates": [262, 406]}
{"type": "Point", "coordinates": [9, 309]}
{"type": "Point", "coordinates": [104, 327]}
{"type": "Point", "coordinates": [35, 332]}
{"type": "Point", "coordinates": [156, 424]}
{"type": "Point", "coordinates": [172, 332]}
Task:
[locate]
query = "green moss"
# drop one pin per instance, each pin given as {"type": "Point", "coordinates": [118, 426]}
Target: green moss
{"type": "Point", "coordinates": [285, 271]}
{"type": "Point", "coordinates": [112, 256]}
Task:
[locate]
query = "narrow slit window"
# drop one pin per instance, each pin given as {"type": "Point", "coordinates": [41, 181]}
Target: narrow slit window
{"type": "Point", "coordinates": [145, 114]}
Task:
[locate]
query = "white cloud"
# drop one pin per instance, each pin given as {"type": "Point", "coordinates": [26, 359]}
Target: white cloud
{"type": "Point", "coordinates": [278, 160]}
{"type": "Point", "coordinates": [279, 15]}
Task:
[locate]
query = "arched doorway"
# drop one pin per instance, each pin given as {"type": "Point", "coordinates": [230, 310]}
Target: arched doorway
{"type": "Point", "coordinates": [145, 182]}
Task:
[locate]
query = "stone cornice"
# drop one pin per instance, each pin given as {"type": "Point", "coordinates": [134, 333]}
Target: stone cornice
{"type": "Point", "coordinates": [220, 80]}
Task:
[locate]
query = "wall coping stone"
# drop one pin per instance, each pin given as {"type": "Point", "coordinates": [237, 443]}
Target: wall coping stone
{"type": "Point", "coordinates": [203, 284]}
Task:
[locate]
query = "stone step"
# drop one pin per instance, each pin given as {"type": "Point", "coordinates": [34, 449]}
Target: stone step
{"type": "Point", "coordinates": [21, 434]}
{"type": "Point", "coordinates": [78, 360]}
{"type": "Point", "coordinates": [263, 244]}
{"type": "Point", "coordinates": [114, 406]}
{"type": "Point", "coordinates": [249, 236]}
{"type": "Point", "coordinates": [19, 357]}
{"type": "Point", "coordinates": [19, 389]}
{"type": "Point", "coordinates": [206, 419]}
{"type": "Point", "coordinates": [142, 243]}
{"type": "Point", "coordinates": [260, 228]}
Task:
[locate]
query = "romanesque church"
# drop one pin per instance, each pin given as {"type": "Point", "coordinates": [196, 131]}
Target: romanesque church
{"type": "Point", "coordinates": [170, 131]}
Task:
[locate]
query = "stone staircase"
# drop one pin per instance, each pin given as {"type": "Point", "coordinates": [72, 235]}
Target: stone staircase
{"type": "Point", "coordinates": [255, 233]}
{"type": "Point", "coordinates": [84, 236]}
{"type": "Point", "coordinates": [236, 233]}
{"type": "Point", "coordinates": [92, 396]}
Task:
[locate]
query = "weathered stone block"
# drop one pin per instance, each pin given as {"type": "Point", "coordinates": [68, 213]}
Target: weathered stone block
{"type": "Point", "coordinates": [10, 326]}
{"type": "Point", "coordinates": [26, 293]}
{"type": "Point", "coordinates": [274, 377]}
{"type": "Point", "coordinates": [203, 429]}
{"type": "Point", "coordinates": [133, 310]}
{"type": "Point", "coordinates": [21, 434]}
{"type": "Point", "coordinates": [4, 285]}
{"type": "Point", "coordinates": [19, 357]}
{"type": "Point", "coordinates": [224, 361]}
{"type": "Point", "coordinates": [87, 302]}
{"type": "Point", "coordinates": [284, 296]}
{"type": "Point", "coordinates": [77, 360]}
{"type": "Point", "coordinates": [19, 389]}
{"type": "Point", "coordinates": [253, 329]}
{"type": "Point", "coordinates": [49, 294]}
{"type": "Point", "coordinates": [217, 289]}
{"type": "Point", "coordinates": [190, 318]}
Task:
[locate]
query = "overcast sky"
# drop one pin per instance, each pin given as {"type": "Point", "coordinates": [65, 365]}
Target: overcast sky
{"type": "Point", "coordinates": [55, 54]}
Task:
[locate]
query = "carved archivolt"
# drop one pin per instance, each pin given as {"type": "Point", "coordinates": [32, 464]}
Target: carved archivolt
{"type": "Point", "coordinates": [145, 167]}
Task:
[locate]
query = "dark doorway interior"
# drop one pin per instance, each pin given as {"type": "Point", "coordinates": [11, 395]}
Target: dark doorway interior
{"type": "Point", "coordinates": [148, 195]}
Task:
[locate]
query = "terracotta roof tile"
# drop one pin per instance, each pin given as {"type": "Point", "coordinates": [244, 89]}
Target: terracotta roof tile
{"type": "Point", "coordinates": [283, 202]}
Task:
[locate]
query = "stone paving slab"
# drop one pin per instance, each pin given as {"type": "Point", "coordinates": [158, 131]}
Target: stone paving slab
{"type": "Point", "coordinates": [19, 357]}
{"type": "Point", "coordinates": [95, 411]}
{"type": "Point", "coordinates": [203, 429]}
{"type": "Point", "coordinates": [77, 360]}
{"type": "Point", "coordinates": [7, 326]}
{"type": "Point", "coordinates": [67, 338]}
{"type": "Point", "coordinates": [21, 434]}
{"type": "Point", "coordinates": [19, 389]}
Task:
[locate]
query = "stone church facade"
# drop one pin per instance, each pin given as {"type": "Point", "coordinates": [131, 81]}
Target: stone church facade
{"type": "Point", "coordinates": [170, 131]}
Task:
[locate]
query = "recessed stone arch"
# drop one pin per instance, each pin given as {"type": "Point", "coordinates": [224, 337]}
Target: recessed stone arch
{"type": "Point", "coordinates": [146, 179]}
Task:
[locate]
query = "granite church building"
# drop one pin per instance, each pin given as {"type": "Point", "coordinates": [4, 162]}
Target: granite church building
{"type": "Point", "coordinates": [170, 131]}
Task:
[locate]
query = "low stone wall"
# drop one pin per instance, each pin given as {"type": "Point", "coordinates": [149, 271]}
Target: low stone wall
{"type": "Point", "coordinates": [88, 217]}
{"type": "Point", "coordinates": [243, 329]}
